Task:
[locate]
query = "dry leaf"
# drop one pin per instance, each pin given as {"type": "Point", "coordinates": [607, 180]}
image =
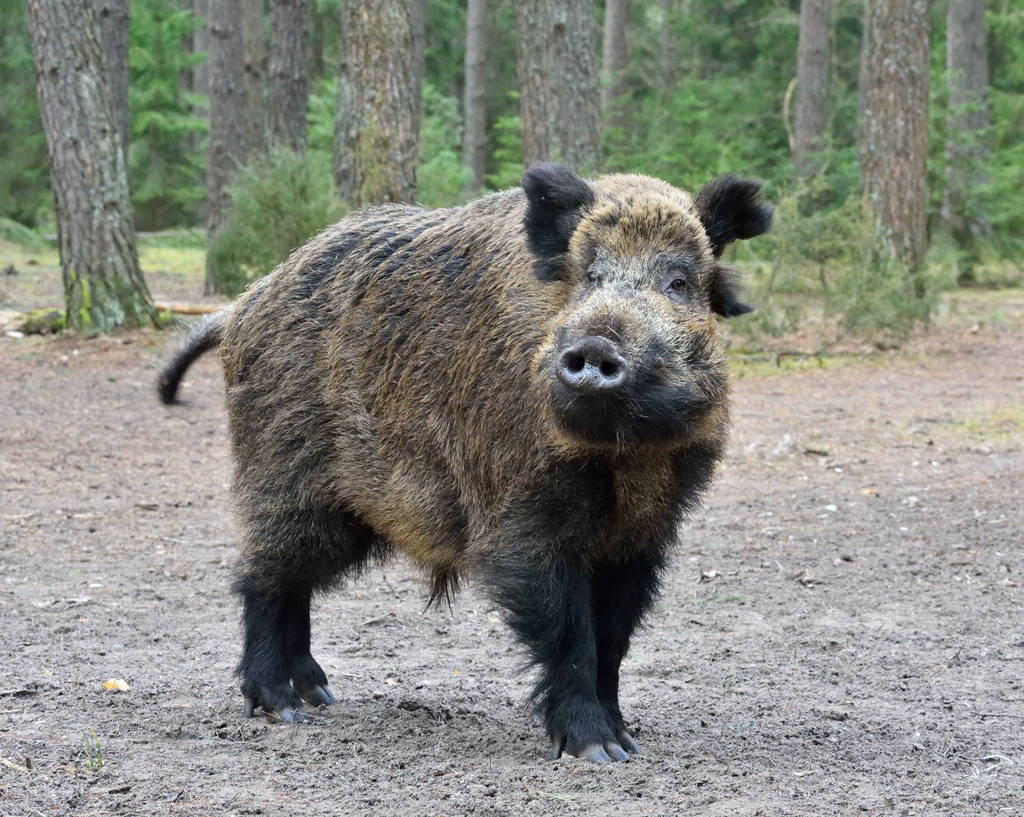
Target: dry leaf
{"type": "Point", "coordinates": [116, 685]}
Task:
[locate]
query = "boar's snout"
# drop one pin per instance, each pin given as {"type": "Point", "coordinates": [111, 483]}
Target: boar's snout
{"type": "Point", "coordinates": [592, 366]}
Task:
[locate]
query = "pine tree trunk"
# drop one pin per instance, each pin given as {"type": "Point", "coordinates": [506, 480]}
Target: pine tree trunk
{"type": "Point", "coordinates": [894, 127]}
{"type": "Point", "coordinates": [559, 95]}
{"type": "Point", "coordinates": [103, 284]}
{"type": "Point", "coordinates": [227, 140]}
{"type": "Point", "coordinates": [614, 61]}
{"type": "Point", "coordinates": [474, 135]}
{"type": "Point", "coordinates": [113, 20]}
{"type": "Point", "coordinates": [254, 49]}
{"type": "Point", "coordinates": [966, 151]}
{"type": "Point", "coordinates": [198, 74]}
{"type": "Point", "coordinates": [418, 24]}
{"type": "Point", "coordinates": [813, 55]}
{"type": "Point", "coordinates": [289, 82]}
{"type": "Point", "coordinates": [668, 45]}
{"type": "Point", "coordinates": [376, 135]}
{"type": "Point", "coordinates": [316, 43]}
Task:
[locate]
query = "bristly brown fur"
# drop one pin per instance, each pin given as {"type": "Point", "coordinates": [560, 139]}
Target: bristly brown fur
{"type": "Point", "coordinates": [399, 383]}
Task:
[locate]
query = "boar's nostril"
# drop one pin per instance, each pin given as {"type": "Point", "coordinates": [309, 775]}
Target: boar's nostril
{"type": "Point", "coordinates": [575, 363]}
{"type": "Point", "coordinates": [592, 365]}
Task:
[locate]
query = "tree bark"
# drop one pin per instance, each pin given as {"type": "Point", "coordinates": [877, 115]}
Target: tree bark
{"type": "Point", "coordinates": [289, 81]}
{"type": "Point", "coordinates": [668, 45]}
{"type": "Point", "coordinates": [559, 95]}
{"type": "Point", "coordinates": [227, 140]}
{"type": "Point", "coordinates": [113, 20]}
{"type": "Point", "coordinates": [376, 136]}
{"type": "Point", "coordinates": [198, 79]}
{"type": "Point", "coordinates": [316, 43]}
{"type": "Point", "coordinates": [254, 50]}
{"type": "Point", "coordinates": [894, 126]}
{"type": "Point", "coordinates": [614, 61]}
{"type": "Point", "coordinates": [474, 134]}
{"type": "Point", "coordinates": [103, 284]}
{"type": "Point", "coordinates": [967, 65]}
{"type": "Point", "coordinates": [418, 24]}
{"type": "Point", "coordinates": [813, 55]}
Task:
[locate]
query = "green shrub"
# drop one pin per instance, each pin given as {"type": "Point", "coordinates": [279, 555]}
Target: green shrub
{"type": "Point", "coordinates": [279, 202]}
{"type": "Point", "coordinates": [441, 179]}
{"type": "Point", "coordinates": [821, 272]}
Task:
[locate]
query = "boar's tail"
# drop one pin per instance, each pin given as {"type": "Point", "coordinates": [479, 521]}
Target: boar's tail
{"type": "Point", "coordinates": [202, 336]}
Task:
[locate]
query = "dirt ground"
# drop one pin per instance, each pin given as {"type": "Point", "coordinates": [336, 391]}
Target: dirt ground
{"type": "Point", "coordinates": [841, 633]}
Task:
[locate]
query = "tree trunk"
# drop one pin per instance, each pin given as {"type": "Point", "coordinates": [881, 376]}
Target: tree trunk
{"type": "Point", "coordinates": [967, 64]}
{"type": "Point", "coordinates": [894, 127]}
{"type": "Point", "coordinates": [418, 24]}
{"type": "Point", "coordinates": [103, 284]}
{"type": "Point", "coordinates": [376, 135]}
{"type": "Point", "coordinates": [198, 74]}
{"type": "Point", "coordinates": [226, 140]}
{"type": "Point", "coordinates": [254, 50]}
{"type": "Point", "coordinates": [112, 17]}
{"type": "Point", "coordinates": [813, 55]}
{"type": "Point", "coordinates": [614, 61]}
{"type": "Point", "coordinates": [316, 43]}
{"type": "Point", "coordinates": [289, 82]}
{"type": "Point", "coordinates": [668, 45]}
{"type": "Point", "coordinates": [559, 96]}
{"type": "Point", "coordinates": [474, 134]}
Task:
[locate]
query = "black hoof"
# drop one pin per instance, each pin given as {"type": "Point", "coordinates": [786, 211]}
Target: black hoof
{"type": "Point", "coordinates": [315, 695]}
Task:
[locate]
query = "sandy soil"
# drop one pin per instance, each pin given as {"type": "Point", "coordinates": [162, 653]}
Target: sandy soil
{"type": "Point", "coordinates": [842, 631]}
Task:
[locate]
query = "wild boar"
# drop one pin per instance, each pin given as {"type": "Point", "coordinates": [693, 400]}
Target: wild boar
{"type": "Point", "coordinates": [530, 390]}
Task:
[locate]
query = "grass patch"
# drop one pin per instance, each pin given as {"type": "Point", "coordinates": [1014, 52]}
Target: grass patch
{"type": "Point", "coordinates": [996, 425]}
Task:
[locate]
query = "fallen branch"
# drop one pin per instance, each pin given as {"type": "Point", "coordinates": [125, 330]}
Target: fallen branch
{"type": "Point", "coordinates": [187, 309]}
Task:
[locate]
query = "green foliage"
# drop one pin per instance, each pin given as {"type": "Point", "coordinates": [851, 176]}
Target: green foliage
{"type": "Point", "coordinates": [441, 179]}
{"type": "Point", "coordinates": [24, 173]}
{"type": "Point", "coordinates": [166, 161]}
{"type": "Point", "coordinates": [1006, 164]}
{"type": "Point", "coordinates": [18, 233]}
{"type": "Point", "coordinates": [508, 152]}
{"type": "Point", "coordinates": [279, 202]}
{"type": "Point", "coordinates": [320, 115]}
{"type": "Point", "coordinates": [821, 272]}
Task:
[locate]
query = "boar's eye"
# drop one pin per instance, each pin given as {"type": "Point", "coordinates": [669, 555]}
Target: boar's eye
{"type": "Point", "coordinates": [676, 286]}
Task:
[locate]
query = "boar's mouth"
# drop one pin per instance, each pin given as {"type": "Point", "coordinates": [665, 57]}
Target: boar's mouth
{"type": "Point", "coordinates": [644, 410]}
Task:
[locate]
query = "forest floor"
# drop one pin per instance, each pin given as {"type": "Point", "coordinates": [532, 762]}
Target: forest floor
{"type": "Point", "coordinates": [841, 631]}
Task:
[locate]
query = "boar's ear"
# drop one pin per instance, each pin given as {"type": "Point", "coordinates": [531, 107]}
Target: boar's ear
{"type": "Point", "coordinates": [555, 198]}
{"type": "Point", "coordinates": [730, 208]}
{"type": "Point", "coordinates": [724, 293]}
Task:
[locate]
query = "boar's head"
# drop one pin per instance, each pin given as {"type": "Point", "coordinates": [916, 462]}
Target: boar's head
{"type": "Point", "coordinates": [634, 355]}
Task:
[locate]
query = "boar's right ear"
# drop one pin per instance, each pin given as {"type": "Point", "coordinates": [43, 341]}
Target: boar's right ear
{"type": "Point", "coordinates": [730, 208]}
{"type": "Point", "coordinates": [555, 199]}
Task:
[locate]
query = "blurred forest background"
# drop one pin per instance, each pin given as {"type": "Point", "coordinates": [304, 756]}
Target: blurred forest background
{"type": "Point", "coordinates": [889, 134]}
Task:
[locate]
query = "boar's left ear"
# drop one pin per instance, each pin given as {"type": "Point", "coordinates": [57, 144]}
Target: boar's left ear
{"type": "Point", "coordinates": [730, 208]}
{"type": "Point", "coordinates": [555, 199]}
{"type": "Point", "coordinates": [724, 291]}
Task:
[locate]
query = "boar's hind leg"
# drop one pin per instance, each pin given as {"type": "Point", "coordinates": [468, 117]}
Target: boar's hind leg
{"type": "Point", "coordinates": [311, 550]}
{"type": "Point", "coordinates": [623, 593]}
{"type": "Point", "coordinates": [548, 600]}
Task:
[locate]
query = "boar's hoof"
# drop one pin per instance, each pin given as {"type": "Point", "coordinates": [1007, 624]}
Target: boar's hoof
{"type": "Point", "coordinates": [289, 715]}
{"type": "Point", "coordinates": [626, 742]}
{"type": "Point", "coordinates": [286, 711]}
{"type": "Point", "coordinates": [315, 694]}
{"type": "Point", "coordinates": [608, 752]}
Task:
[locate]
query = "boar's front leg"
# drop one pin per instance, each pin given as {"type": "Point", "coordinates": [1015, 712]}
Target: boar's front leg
{"type": "Point", "coordinates": [548, 600]}
{"type": "Point", "coordinates": [623, 593]}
